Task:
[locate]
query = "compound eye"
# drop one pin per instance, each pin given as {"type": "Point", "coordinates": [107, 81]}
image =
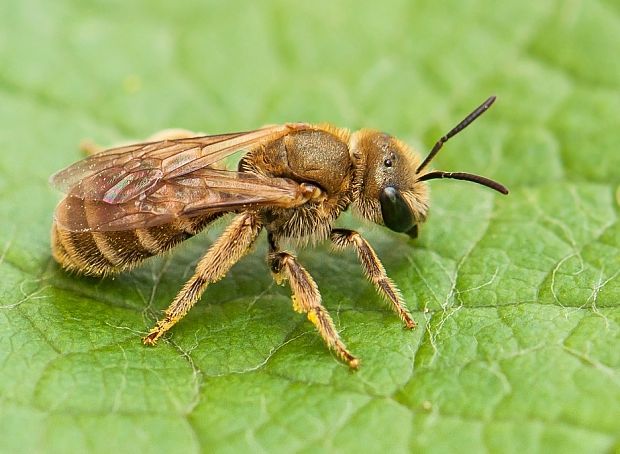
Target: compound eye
{"type": "Point", "coordinates": [396, 213]}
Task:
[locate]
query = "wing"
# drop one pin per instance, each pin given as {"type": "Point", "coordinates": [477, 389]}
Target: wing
{"type": "Point", "coordinates": [153, 183]}
{"type": "Point", "coordinates": [202, 192]}
{"type": "Point", "coordinates": [118, 175]}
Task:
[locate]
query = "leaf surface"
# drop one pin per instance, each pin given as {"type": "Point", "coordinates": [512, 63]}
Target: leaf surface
{"type": "Point", "coordinates": [517, 297]}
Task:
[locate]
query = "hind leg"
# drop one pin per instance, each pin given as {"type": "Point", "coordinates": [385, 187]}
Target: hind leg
{"type": "Point", "coordinates": [234, 243]}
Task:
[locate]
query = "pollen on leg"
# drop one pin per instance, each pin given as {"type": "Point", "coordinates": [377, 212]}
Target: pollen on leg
{"type": "Point", "coordinates": [306, 298]}
{"type": "Point", "coordinates": [312, 317]}
{"type": "Point", "coordinates": [297, 306]}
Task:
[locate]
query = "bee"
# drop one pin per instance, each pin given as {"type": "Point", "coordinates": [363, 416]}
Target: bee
{"type": "Point", "coordinates": [126, 204]}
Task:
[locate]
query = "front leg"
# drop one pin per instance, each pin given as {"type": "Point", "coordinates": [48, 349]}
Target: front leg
{"type": "Point", "coordinates": [374, 271]}
{"type": "Point", "coordinates": [307, 299]}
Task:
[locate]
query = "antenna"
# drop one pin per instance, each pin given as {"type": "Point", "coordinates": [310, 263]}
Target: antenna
{"type": "Point", "coordinates": [467, 177]}
{"type": "Point", "coordinates": [454, 131]}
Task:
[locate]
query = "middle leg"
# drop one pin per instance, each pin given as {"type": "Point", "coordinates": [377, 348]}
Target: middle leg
{"type": "Point", "coordinates": [307, 299]}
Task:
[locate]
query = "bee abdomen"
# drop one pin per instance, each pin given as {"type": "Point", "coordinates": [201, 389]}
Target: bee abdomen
{"type": "Point", "coordinates": [102, 253]}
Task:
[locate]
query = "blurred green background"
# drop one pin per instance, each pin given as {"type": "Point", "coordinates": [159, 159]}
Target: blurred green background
{"type": "Point", "coordinates": [517, 298]}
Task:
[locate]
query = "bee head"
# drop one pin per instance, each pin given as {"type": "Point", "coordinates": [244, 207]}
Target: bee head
{"type": "Point", "coordinates": [388, 192]}
{"type": "Point", "coordinates": [390, 177]}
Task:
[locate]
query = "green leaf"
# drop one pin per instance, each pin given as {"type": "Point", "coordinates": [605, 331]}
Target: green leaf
{"type": "Point", "coordinates": [517, 297]}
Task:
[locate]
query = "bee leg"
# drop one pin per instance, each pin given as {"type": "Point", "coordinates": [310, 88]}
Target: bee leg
{"type": "Point", "coordinates": [374, 270]}
{"type": "Point", "coordinates": [307, 299]}
{"type": "Point", "coordinates": [173, 133]}
{"type": "Point", "coordinates": [89, 148]}
{"type": "Point", "coordinates": [233, 244]}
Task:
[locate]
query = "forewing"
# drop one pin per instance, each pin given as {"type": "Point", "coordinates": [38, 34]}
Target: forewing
{"type": "Point", "coordinates": [202, 192]}
{"type": "Point", "coordinates": [120, 175]}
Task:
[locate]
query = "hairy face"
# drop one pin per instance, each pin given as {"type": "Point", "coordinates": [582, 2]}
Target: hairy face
{"type": "Point", "coordinates": [388, 191]}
